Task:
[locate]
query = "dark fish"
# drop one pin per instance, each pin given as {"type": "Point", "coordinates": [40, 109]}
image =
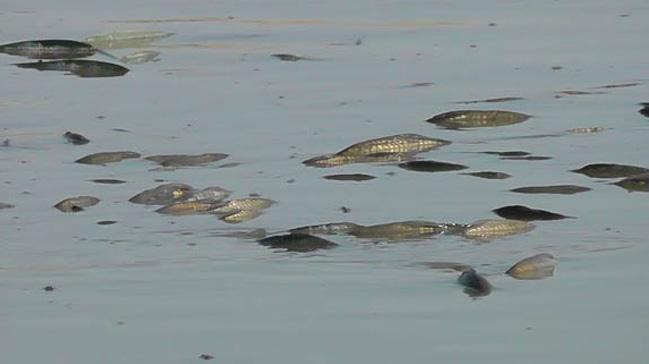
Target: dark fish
{"type": "Point", "coordinates": [106, 222]}
{"type": "Point", "coordinates": [163, 195]}
{"type": "Point", "coordinates": [489, 175]}
{"type": "Point", "coordinates": [358, 177]}
{"type": "Point", "coordinates": [76, 204]}
{"type": "Point", "coordinates": [645, 109]}
{"type": "Point", "coordinates": [185, 160]}
{"type": "Point", "coordinates": [49, 49]}
{"type": "Point", "coordinates": [6, 206]}
{"type": "Point", "coordinates": [498, 99]}
{"type": "Point", "coordinates": [431, 166]}
{"type": "Point", "coordinates": [458, 267]}
{"type": "Point", "coordinates": [512, 153]}
{"type": "Point", "coordinates": [76, 139]}
{"type": "Point", "coordinates": [107, 157]}
{"type": "Point", "coordinates": [401, 230]}
{"type": "Point", "coordinates": [619, 85]}
{"type": "Point", "coordinates": [527, 158]}
{"type": "Point", "coordinates": [391, 148]}
{"type": "Point", "coordinates": [474, 284]}
{"type": "Point", "coordinates": [638, 183]}
{"type": "Point", "coordinates": [608, 170]}
{"type": "Point", "coordinates": [557, 190]}
{"type": "Point", "coordinates": [488, 229]}
{"type": "Point", "coordinates": [333, 228]}
{"type": "Point", "coordinates": [78, 67]}
{"type": "Point", "coordinates": [524, 213]}
{"type": "Point", "coordinates": [535, 267]}
{"type": "Point", "coordinates": [108, 181]}
{"type": "Point", "coordinates": [289, 57]}
{"type": "Point", "coordinates": [477, 118]}
{"type": "Point", "coordinates": [573, 92]}
{"type": "Point", "coordinates": [297, 242]}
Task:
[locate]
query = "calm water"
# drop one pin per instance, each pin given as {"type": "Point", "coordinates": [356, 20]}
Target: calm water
{"type": "Point", "coordinates": [161, 289]}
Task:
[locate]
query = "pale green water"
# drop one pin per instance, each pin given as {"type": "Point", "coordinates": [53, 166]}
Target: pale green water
{"type": "Point", "coordinates": [136, 291]}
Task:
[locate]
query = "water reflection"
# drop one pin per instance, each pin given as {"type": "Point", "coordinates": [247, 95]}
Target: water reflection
{"type": "Point", "coordinates": [78, 67]}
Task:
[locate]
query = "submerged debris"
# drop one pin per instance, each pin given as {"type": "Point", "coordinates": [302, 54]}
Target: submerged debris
{"type": "Point", "coordinates": [107, 157]}
{"type": "Point", "coordinates": [477, 118]}
{"type": "Point", "coordinates": [76, 204]}
{"type": "Point", "coordinates": [524, 213]}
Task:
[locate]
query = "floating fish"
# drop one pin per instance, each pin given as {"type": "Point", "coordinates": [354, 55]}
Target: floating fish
{"type": "Point", "coordinates": [609, 170]}
{"type": "Point", "coordinates": [186, 160]}
{"type": "Point", "coordinates": [488, 175]}
{"type": "Point", "coordinates": [488, 229]}
{"type": "Point", "coordinates": [524, 213]}
{"type": "Point", "coordinates": [431, 166]}
{"type": "Point", "coordinates": [638, 183]}
{"type": "Point", "coordinates": [401, 230]}
{"type": "Point", "coordinates": [49, 49]}
{"type": "Point", "coordinates": [557, 189]}
{"type": "Point", "coordinates": [333, 228]}
{"type": "Point", "coordinates": [163, 195]}
{"type": "Point", "coordinates": [108, 181]}
{"type": "Point", "coordinates": [107, 157]}
{"type": "Point", "coordinates": [474, 284]}
{"type": "Point", "coordinates": [76, 204]}
{"type": "Point", "coordinates": [357, 177]}
{"type": "Point", "coordinates": [477, 118]}
{"type": "Point", "coordinates": [76, 139]}
{"type": "Point", "coordinates": [78, 67]}
{"type": "Point", "coordinates": [535, 267]}
{"type": "Point", "coordinates": [302, 243]}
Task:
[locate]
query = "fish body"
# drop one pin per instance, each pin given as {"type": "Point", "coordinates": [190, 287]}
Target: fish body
{"type": "Point", "coordinates": [535, 267]}
{"type": "Point", "coordinates": [332, 228]}
{"type": "Point", "coordinates": [164, 194]}
{"type": "Point", "coordinates": [237, 205]}
{"type": "Point", "coordinates": [520, 212]}
{"type": "Point", "coordinates": [638, 183]}
{"type": "Point", "coordinates": [49, 49]}
{"type": "Point", "coordinates": [610, 170]}
{"type": "Point", "coordinates": [495, 228]}
{"type": "Point", "coordinates": [79, 67]}
{"type": "Point", "coordinates": [302, 243]}
{"type": "Point", "coordinates": [186, 208]}
{"type": "Point", "coordinates": [76, 204]}
{"type": "Point", "coordinates": [477, 118]}
{"type": "Point", "coordinates": [185, 160]}
{"type": "Point", "coordinates": [401, 230]}
{"type": "Point", "coordinates": [107, 157]}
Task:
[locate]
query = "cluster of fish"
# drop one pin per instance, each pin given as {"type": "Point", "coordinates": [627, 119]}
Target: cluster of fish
{"type": "Point", "coordinates": [65, 55]}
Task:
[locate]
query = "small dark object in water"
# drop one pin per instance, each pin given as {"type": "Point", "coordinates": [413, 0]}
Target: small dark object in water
{"type": "Point", "coordinates": [288, 57]}
{"type": "Point", "coordinates": [535, 267]}
{"type": "Point", "coordinates": [107, 157]}
{"type": "Point", "coordinates": [418, 84]}
{"type": "Point", "coordinates": [524, 213]}
{"type": "Point", "coordinates": [108, 181]}
{"type": "Point", "coordinates": [527, 158]}
{"type": "Point", "coordinates": [645, 109]}
{"type": "Point", "coordinates": [345, 209]}
{"type": "Point", "coordinates": [474, 284]}
{"type": "Point", "coordinates": [431, 166]}
{"type": "Point", "coordinates": [498, 99]}
{"type": "Point", "coordinates": [163, 195]}
{"type": "Point", "coordinates": [49, 49]}
{"type": "Point", "coordinates": [48, 288]}
{"type": "Point", "coordinates": [358, 177]}
{"type": "Point", "coordinates": [332, 228]}
{"type": "Point", "coordinates": [76, 204]}
{"type": "Point", "coordinates": [206, 357]}
{"type": "Point", "coordinates": [557, 190]}
{"type": "Point", "coordinates": [79, 67]}
{"type": "Point", "coordinates": [619, 85]}
{"type": "Point", "coordinates": [6, 206]}
{"type": "Point", "coordinates": [458, 267]}
{"type": "Point", "coordinates": [76, 139]}
{"type": "Point", "coordinates": [6, 142]}
{"type": "Point", "coordinates": [297, 242]}
{"type": "Point", "coordinates": [638, 183]}
{"type": "Point", "coordinates": [185, 160]}
{"type": "Point", "coordinates": [488, 175]}
{"type": "Point", "coordinates": [512, 153]}
{"type": "Point", "coordinates": [608, 170]}
{"type": "Point", "coordinates": [106, 222]}
{"type": "Point", "coordinates": [477, 118]}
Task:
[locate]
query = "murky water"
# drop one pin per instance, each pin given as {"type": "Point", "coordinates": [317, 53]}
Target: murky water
{"type": "Point", "coordinates": [155, 288]}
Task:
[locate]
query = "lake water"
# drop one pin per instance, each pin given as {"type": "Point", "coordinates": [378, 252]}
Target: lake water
{"type": "Point", "coordinates": [161, 289]}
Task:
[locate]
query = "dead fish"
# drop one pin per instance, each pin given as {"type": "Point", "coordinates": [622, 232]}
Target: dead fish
{"type": "Point", "coordinates": [76, 204]}
{"type": "Point", "coordinates": [164, 194]}
{"type": "Point", "coordinates": [401, 230]}
{"type": "Point", "coordinates": [390, 148]}
{"type": "Point", "coordinates": [524, 213]}
{"type": "Point", "coordinates": [619, 85]}
{"type": "Point", "coordinates": [458, 267]}
{"type": "Point", "coordinates": [140, 57]}
{"type": "Point", "coordinates": [477, 118]}
{"type": "Point", "coordinates": [49, 49]}
{"type": "Point", "coordinates": [79, 67]}
{"type": "Point", "coordinates": [496, 228]}
{"type": "Point", "coordinates": [107, 157]}
{"type": "Point", "coordinates": [574, 92]}
{"type": "Point", "coordinates": [511, 153]}
{"type": "Point", "coordinates": [608, 170]}
{"type": "Point", "coordinates": [645, 109]}
{"type": "Point", "coordinates": [474, 284]}
{"type": "Point", "coordinates": [186, 208]}
{"type": "Point", "coordinates": [76, 139]}
{"type": "Point", "coordinates": [638, 183]}
{"type": "Point", "coordinates": [488, 175]}
{"type": "Point", "coordinates": [333, 228]}
{"type": "Point", "coordinates": [498, 99]}
{"type": "Point", "coordinates": [557, 189]}
{"type": "Point", "coordinates": [289, 57]}
{"type": "Point", "coordinates": [358, 177]}
{"type": "Point", "coordinates": [108, 181]}
{"type": "Point", "coordinates": [589, 130]}
{"type": "Point", "coordinates": [301, 243]}
{"type": "Point", "coordinates": [535, 267]}
{"type": "Point", "coordinates": [431, 166]}
{"type": "Point", "coordinates": [233, 206]}
{"type": "Point", "coordinates": [209, 194]}
{"type": "Point", "coordinates": [6, 206]}
{"type": "Point", "coordinates": [185, 160]}
{"type": "Point", "coordinates": [527, 158]}
{"type": "Point", "coordinates": [240, 216]}
{"type": "Point", "coordinates": [126, 39]}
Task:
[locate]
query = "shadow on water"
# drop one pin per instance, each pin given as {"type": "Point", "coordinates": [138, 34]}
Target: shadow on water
{"type": "Point", "coordinates": [77, 67]}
